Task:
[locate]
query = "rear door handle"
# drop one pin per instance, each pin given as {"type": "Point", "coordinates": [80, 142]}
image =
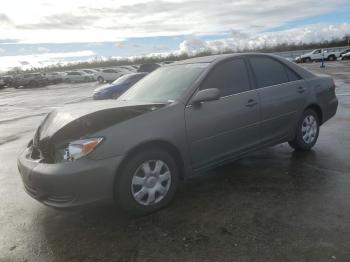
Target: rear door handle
{"type": "Point", "coordinates": [251, 103]}
{"type": "Point", "coordinates": [301, 89]}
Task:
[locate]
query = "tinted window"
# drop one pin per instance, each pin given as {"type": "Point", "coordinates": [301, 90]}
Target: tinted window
{"type": "Point", "coordinates": [268, 71]}
{"type": "Point", "coordinates": [230, 77]}
{"type": "Point", "coordinates": [292, 76]}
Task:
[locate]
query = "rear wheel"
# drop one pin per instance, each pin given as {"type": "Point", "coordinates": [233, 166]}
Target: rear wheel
{"type": "Point", "coordinates": [147, 182]}
{"type": "Point", "coordinates": [100, 79]}
{"type": "Point", "coordinates": [32, 84]}
{"type": "Point", "coordinates": [307, 60]}
{"type": "Point", "coordinates": [331, 58]}
{"type": "Point", "coordinates": [307, 131]}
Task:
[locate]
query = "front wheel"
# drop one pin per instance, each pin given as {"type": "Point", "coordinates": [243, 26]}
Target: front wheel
{"type": "Point", "coordinates": [147, 182]}
{"type": "Point", "coordinates": [307, 131]}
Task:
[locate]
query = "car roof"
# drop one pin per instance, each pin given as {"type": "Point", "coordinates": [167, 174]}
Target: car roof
{"type": "Point", "coordinates": [215, 58]}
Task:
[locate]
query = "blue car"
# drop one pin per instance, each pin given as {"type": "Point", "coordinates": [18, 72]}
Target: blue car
{"type": "Point", "coordinates": [119, 86]}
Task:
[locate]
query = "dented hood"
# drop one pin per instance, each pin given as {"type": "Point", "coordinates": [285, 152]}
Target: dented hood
{"type": "Point", "coordinates": [79, 120]}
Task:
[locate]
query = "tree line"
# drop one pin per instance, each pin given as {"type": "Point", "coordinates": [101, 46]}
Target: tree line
{"type": "Point", "coordinates": [97, 63]}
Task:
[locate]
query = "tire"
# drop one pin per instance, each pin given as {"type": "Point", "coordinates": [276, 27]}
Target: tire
{"type": "Point", "coordinates": [115, 95]}
{"type": "Point", "coordinates": [307, 132]}
{"type": "Point", "coordinates": [307, 60]}
{"type": "Point", "coordinates": [331, 58]}
{"type": "Point", "coordinates": [32, 84]}
{"type": "Point", "coordinates": [100, 79]}
{"type": "Point", "coordinates": [133, 182]}
{"type": "Point", "coordinates": [67, 80]}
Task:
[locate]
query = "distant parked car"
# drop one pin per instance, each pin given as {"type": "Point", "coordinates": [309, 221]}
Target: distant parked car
{"type": "Point", "coordinates": [119, 86]}
{"type": "Point", "coordinates": [8, 79]}
{"type": "Point", "coordinates": [92, 72]}
{"type": "Point", "coordinates": [30, 80]}
{"type": "Point", "coordinates": [345, 56]}
{"type": "Point", "coordinates": [317, 55]}
{"type": "Point", "coordinates": [56, 77]}
{"type": "Point", "coordinates": [77, 76]}
{"type": "Point", "coordinates": [345, 52]}
{"type": "Point", "coordinates": [2, 83]}
{"type": "Point", "coordinates": [148, 67]}
{"type": "Point", "coordinates": [109, 74]}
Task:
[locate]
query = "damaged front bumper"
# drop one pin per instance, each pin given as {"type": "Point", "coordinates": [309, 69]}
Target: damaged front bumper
{"type": "Point", "coordinates": [69, 184]}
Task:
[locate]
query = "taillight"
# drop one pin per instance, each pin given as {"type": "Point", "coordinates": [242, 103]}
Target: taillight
{"type": "Point", "coordinates": [333, 84]}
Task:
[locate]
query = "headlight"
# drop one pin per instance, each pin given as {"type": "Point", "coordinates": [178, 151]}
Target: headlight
{"type": "Point", "coordinates": [79, 148]}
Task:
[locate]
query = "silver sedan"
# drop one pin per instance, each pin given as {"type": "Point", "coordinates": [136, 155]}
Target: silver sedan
{"type": "Point", "coordinates": [176, 122]}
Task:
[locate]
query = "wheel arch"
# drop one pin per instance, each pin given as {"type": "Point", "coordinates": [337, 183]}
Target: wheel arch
{"type": "Point", "coordinates": [161, 144]}
{"type": "Point", "coordinates": [318, 111]}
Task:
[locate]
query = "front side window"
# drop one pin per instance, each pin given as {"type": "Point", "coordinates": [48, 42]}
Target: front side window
{"type": "Point", "coordinates": [229, 77]}
{"type": "Point", "coordinates": [268, 72]}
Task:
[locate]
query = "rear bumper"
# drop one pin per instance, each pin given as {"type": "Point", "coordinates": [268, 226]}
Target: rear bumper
{"type": "Point", "coordinates": [69, 185]}
{"type": "Point", "coordinates": [330, 109]}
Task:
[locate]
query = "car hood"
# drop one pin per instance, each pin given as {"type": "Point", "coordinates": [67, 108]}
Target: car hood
{"type": "Point", "coordinates": [83, 119]}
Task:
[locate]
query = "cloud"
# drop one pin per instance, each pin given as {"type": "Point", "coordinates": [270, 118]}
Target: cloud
{"type": "Point", "coordinates": [5, 20]}
{"type": "Point", "coordinates": [240, 41]}
{"type": "Point", "coordinates": [43, 49]}
{"type": "Point", "coordinates": [42, 60]}
{"type": "Point", "coordinates": [113, 20]}
{"type": "Point", "coordinates": [8, 41]}
{"type": "Point", "coordinates": [61, 21]}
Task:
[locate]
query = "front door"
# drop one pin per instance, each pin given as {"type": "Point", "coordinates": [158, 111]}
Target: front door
{"type": "Point", "coordinates": [219, 129]}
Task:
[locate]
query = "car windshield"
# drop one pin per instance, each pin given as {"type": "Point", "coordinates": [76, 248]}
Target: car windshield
{"type": "Point", "coordinates": [166, 84]}
{"type": "Point", "coordinates": [123, 79]}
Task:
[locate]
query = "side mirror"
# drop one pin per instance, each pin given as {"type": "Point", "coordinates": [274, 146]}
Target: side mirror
{"type": "Point", "coordinates": [204, 95]}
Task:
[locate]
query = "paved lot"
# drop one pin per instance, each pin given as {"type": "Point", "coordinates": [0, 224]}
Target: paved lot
{"type": "Point", "coordinates": [276, 205]}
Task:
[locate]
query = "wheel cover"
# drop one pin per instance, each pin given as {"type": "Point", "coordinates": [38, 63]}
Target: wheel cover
{"type": "Point", "coordinates": [309, 129]}
{"type": "Point", "coordinates": [150, 182]}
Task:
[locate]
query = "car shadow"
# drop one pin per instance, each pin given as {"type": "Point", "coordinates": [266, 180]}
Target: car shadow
{"type": "Point", "coordinates": [231, 204]}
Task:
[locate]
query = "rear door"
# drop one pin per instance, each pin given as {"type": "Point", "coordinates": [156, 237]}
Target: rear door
{"type": "Point", "coordinates": [219, 129]}
{"type": "Point", "coordinates": [283, 95]}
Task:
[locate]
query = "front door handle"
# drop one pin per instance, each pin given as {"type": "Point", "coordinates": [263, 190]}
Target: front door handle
{"type": "Point", "coordinates": [251, 103]}
{"type": "Point", "coordinates": [301, 89]}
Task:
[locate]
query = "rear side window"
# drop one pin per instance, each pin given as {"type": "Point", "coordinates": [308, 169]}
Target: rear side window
{"type": "Point", "coordinates": [268, 71]}
{"type": "Point", "coordinates": [292, 76]}
{"type": "Point", "coordinates": [229, 77]}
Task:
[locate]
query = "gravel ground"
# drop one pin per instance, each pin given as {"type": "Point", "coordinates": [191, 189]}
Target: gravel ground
{"type": "Point", "coordinates": [275, 205]}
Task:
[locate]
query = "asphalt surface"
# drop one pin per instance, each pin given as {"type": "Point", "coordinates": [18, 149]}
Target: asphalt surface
{"type": "Point", "coordinates": [275, 205]}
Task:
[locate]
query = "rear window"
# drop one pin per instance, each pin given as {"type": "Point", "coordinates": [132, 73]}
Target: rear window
{"type": "Point", "coordinates": [268, 72]}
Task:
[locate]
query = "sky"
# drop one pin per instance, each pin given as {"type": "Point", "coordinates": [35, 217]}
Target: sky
{"type": "Point", "coordinates": [41, 32]}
